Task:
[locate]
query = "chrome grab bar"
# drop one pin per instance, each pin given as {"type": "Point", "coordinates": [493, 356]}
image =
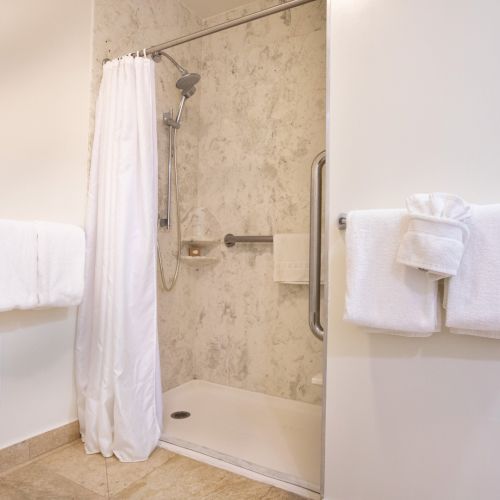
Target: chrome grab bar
{"type": "Point", "coordinates": [315, 246]}
{"type": "Point", "coordinates": [230, 239]}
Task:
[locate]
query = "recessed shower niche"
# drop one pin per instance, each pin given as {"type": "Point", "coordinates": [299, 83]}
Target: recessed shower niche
{"type": "Point", "coordinates": [201, 238]}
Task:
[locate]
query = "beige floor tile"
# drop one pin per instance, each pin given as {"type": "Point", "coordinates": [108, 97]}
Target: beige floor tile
{"type": "Point", "coordinates": [89, 471]}
{"type": "Point", "coordinates": [37, 482]}
{"type": "Point", "coordinates": [178, 479]}
{"type": "Point", "coordinates": [277, 494]}
{"type": "Point", "coordinates": [183, 479]}
{"type": "Point", "coordinates": [13, 455]}
{"type": "Point", "coordinates": [71, 473]}
{"type": "Point", "coordinates": [239, 488]}
{"type": "Point", "coordinates": [122, 475]}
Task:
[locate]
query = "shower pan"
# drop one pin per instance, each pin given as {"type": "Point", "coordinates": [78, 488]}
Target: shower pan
{"type": "Point", "coordinates": [274, 437]}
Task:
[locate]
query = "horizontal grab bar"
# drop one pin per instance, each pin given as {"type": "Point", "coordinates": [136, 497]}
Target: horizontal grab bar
{"type": "Point", "coordinates": [230, 239]}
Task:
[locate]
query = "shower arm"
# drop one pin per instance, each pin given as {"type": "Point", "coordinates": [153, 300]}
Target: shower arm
{"type": "Point", "coordinates": [158, 54]}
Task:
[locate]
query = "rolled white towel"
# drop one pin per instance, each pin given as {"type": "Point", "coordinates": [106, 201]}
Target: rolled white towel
{"type": "Point", "coordinates": [381, 294]}
{"type": "Point", "coordinates": [18, 265]}
{"type": "Point", "coordinates": [473, 295]}
{"type": "Point", "coordinates": [436, 235]}
{"type": "Point", "coordinates": [61, 262]}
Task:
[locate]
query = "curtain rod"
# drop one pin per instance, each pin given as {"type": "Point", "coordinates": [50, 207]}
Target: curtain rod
{"type": "Point", "coordinates": [224, 26]}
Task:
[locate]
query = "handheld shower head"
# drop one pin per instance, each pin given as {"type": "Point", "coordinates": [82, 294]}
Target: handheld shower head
{"type": "Point", "coordinates": [186, 84]}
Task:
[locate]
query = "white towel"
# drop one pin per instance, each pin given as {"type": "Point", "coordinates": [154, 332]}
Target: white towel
{"type": "Point", "coordinates": [473, 298]}
{"type": "Point", "coordinates": [18, 265]}
{"type": "Point", "coordinates": [61, 262]}
{"type": "Point", "coordinates": [291, 258]}
{"type": "Point", "coordinates": [382, 294]}
{"type": "Point", "coordinates": [436, 234]}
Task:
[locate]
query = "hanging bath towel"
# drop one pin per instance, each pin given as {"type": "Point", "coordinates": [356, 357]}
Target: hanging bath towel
{"type": "Point", "coordinates": [473, 298]}
{"type": "Point", "coordinates": [382, 295]}
{"type": "Point", "coordinates": [117, 357]}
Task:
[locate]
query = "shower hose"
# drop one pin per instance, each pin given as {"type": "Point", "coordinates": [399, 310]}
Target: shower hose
{"type": "Point", "coordinates": [173, 158]}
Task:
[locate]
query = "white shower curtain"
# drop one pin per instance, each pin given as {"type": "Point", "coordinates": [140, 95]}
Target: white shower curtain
{"type": "Point", "coordinates": [117, 357]}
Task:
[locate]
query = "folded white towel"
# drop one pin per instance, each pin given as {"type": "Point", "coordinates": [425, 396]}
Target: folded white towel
{"type": "Point", "coordinates": [18, 265]}
{"type": "Point", "coordinates": [473, 295]}
{"type": "Point", "coordinates": [436, 234]}
{"type": "Point", "coordinates": [291, 258]}
{"type": "Point", "coordinates": [61, 262]}
{"type": "Point", "coordinates": [381, 293]}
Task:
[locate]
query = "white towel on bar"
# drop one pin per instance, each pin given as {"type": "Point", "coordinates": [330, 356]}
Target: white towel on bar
{"type": "Point", "coordinates": [436, 235]}
{"type": "Point", "coordinates": [18, 265]}
{"type": "Point", "coordinates": [381, 294]}
{"type": "Point", "coordinates": [291, 258]}
{"type": "Point", "coordinates": [61, 262]}
{"type": "Point", "coordinates": [473, 295]}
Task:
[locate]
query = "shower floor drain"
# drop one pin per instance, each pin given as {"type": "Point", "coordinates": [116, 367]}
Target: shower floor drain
{"type": "Point", "coordinates": [180, 414]}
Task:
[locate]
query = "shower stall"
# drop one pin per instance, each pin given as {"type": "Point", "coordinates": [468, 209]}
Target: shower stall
{"type": "Point", "coordinates": [241, 370]}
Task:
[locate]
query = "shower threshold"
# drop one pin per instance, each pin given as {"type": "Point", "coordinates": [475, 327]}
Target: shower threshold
{"type": "Point", "coordinates": [271, 437]}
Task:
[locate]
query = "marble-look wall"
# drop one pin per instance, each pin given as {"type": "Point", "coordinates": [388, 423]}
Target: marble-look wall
{"type": "Point", "coordinates": [121, 26]}
{"type": "Point", "coordinates": [262, 115]}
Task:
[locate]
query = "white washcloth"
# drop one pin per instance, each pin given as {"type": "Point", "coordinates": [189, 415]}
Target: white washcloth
{"type": "Point", "coordinates": [473, 297]}
{"type": "Point", "coordinates": [382, 294]}
{"type": "Point", "coordinates": [18, 265]}
{"type": "Point", "coordinates": [436, 234]}
{"type": "Point", "coordinates": [291, 258]}
{"type": "Point", "coordinates": [61, 262]}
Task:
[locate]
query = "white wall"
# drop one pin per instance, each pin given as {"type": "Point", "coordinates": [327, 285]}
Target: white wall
{"type": "Point", "coordinates": [45, 52]}
{"type": "Point", "coordinates": [416, 107]}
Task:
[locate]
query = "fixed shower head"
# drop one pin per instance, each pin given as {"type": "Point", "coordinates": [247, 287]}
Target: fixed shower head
{"type": "Point", "coordinates": [186, 83]}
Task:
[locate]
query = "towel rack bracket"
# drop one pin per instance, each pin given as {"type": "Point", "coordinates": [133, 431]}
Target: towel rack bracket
{"type": "Point", "coordinates": [342, 221]}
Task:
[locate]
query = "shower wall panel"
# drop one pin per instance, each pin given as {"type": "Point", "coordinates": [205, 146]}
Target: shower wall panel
{"type": "Point", "coordinates": [262, 117]}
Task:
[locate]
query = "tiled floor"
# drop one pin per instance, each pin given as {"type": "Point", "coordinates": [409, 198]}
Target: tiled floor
{"type": "Point", "coordinates": [68, 473]}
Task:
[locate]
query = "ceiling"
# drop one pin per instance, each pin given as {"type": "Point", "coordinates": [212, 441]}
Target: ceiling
{"type": "Point", "coordinates": [207, 8]}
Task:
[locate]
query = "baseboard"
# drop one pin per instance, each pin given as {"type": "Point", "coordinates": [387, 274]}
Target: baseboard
{"type": "Point", "coordinates": [31, 448]}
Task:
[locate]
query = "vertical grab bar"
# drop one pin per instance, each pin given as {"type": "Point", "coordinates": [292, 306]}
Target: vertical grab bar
{"type": "Point", "coordinates": [315, 246]}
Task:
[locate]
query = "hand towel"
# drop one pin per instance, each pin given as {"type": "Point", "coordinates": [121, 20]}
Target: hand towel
{"type": "Point", "coordinates": [437, 233]}
{"type": "Point", "coordinates": [18, 265]}
{"type": "Point", "coordinates": [382, 294]}
{"type": "Point", "coordinates": [473, 295]}
{"type": "Point", "coordinates": [291, 258]}
{"type": "Point", "coordinates": [61, 262]}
